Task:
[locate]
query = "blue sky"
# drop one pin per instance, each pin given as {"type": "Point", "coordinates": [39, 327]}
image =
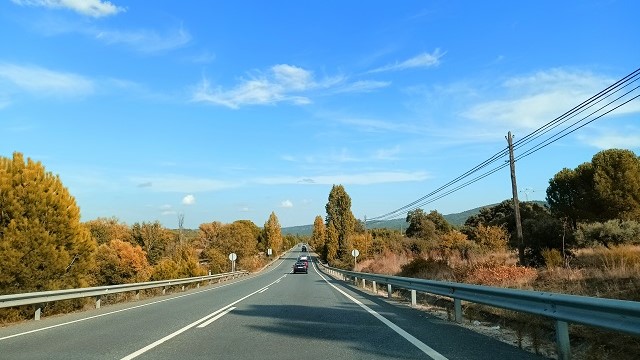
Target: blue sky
{"type": "Point", "coordinates": [231, 110]}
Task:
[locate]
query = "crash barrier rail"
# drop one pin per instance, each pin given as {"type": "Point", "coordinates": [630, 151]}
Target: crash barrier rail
{"type": "Point", "coordinates": [618, 315]}
{"type": "Point", "coordinates": [42, 297]}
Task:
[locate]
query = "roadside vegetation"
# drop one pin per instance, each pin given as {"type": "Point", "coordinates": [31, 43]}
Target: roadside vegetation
{"type": "Point", "coordinates": [585, 241]}
{"type": "Point", "coordinates": [44, 246]}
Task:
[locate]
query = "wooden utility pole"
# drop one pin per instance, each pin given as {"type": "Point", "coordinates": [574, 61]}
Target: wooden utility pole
{"type": "Point", "coordinates": [516, 204]}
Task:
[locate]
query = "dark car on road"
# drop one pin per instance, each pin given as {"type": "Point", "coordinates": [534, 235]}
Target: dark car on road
{"type": "Point", "coordinates": [299, 267]}
{"type": "Point", "coordinates": [304, 248]}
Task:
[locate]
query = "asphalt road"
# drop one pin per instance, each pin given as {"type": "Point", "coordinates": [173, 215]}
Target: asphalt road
{"type": "Point", "coordinates": [271, 315]}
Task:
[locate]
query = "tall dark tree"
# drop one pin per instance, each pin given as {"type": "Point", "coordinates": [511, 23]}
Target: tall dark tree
{"type": "Point", "coordinates": [607, 188]}
{"type": "Point", "coordinates": [420, 226]}
{"type": "Point", "coordinates": [340, 216]}
{"type": "Point", "coordinates": [616, 180]}
{"type": "Point", "coordinates": [441, 224]}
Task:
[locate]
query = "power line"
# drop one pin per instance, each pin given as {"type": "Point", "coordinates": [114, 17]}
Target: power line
{"type": "Point", "coordinates": [575, 111]}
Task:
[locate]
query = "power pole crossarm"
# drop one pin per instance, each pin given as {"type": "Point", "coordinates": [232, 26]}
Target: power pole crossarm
{"type": "Point", "coordinates": [516, 204]}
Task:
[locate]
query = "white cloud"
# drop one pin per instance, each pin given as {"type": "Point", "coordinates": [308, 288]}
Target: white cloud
{"type": "Point", "coordinates": [286, 204]}
{"type": "Point", "coordinates": [281, 83]}
{"type": "Point", "coordinates": [387, 154]}
{"type": "Point", "coordinates": [604, 139]}
{"type": "Point", "coordinates": [532, 101]}
{"type": "Point", "coordinates": [45, 82]}
{"type": "Point", "coordinates": [93, 8]}
{"type": "Point", "coordinates": [381, 126]}
{"type": "Point", "coordinates": [424, 60]}
{"type": "Point", "coordinates": [189, 200]}
{"type": "Point", "coordinates": [362, 86]}
{"type": "Point", "coordinates": [349, 179]}
{"type": "Point", "coordinates": [146, 41]}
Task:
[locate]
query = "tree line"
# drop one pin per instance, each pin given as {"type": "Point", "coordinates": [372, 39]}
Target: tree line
{"type": "Point", "coordinates": [595, 204]}
{"type": "Point", "coordinates": [45, 246]}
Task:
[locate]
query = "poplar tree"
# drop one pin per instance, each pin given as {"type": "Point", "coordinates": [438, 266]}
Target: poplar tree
{"type": "Point", "coordinates": [272, 234]}
{"type": "Point", "coordinates": [43, 245]}
{"type": "Point", "coordinates": [318, 234]}
{"type": "Point", "coordinates": [339, 216]}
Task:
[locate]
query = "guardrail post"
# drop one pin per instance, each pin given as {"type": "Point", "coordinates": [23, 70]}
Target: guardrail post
{"type": "Point", "coordinates": [413, 298]}
{"type": "Point", "coordinates": [182, 287]}
{"type": "Point", "coordinates": [98, 298]}
{"type": "Point", "coordinates": [137, 294]}
{"type": "Point", "coordinates": [375, 288]}
{"type": "Point", "coordinates": [198, 286]}
{"type": "Point", "coordinates": [36, 316]}
{"type": "Point", "coordinates": [562, 340]}
{"type": "Point", "coordinates": [164, 290]}
{"type": "Point", "coordinates": [457, 308]}
{"type": "Point", "coordinates": [389, 291]}
{"type": "Point", "coordinates": [364, 283]}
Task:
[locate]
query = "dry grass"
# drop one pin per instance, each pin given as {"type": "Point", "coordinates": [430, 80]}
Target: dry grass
{"type": "Point", "coordinates": [387, 263]}
{"type": "Point", "coordinates": [598, 272]}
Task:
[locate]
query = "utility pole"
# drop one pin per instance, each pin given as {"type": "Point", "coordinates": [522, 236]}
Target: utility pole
{"type": "Point", "coordinates": [516, 205]}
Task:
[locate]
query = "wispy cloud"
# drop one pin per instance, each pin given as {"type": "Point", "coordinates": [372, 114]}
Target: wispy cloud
{"type": "Point", "coordinates": [282, 83]}
{"type": "Point", "coordinates": [43, 81]}
{"type": "Point", "coordinates": [362, 86]}
{"type": "Point", "coordinates": [92, 8]}
{"type": "Point", "coordinates": [531, 101]}
{"type": "Point", "coordinates": [286, 204]}
{"type": "Point", "coordinates": [613, 139]}
{"type": "Point", "coordinates": [424, 60]}
{"type": "Point", "coordinates": [382, 126]}
{"type": "Point", "coordinates": [146, 41]}
{"type": "Point", "coordinates": [368, 178]}
{"type": "Point", "coordinates": [179, 183]}
{"type": "Point", "coordinates": [204, 57]}
{"type": "Point", "coordinates": [387, 154]}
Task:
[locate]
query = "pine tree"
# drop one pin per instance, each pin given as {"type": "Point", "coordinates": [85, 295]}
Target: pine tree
{"type": "Point", "coordinates": [43, 245]}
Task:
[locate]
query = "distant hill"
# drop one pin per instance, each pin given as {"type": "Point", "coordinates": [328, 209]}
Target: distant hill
{"type": "Point", "coordinates": [456, 219]}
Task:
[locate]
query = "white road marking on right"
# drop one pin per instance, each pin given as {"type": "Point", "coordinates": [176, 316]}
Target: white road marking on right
{"type": "Point", "coordinates": [412, 339]}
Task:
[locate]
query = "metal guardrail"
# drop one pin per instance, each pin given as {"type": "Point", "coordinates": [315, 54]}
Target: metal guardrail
{"type": "Point", "coordinates": [41, 297]}
{"type": "Point", "coordinates": [618, 315]}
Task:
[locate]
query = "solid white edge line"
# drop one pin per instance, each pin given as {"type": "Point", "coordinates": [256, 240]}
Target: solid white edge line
{"type": "Point", "coordinates": [178, 332]}
{"type": "Point", "coordinates": [413, 340]}
{"type": "Point", "coordinates": [117, 311]}
{"type": "Point", "coordinates": [129, 308]}
{"type": "Point", "coordinates": [215, 317]}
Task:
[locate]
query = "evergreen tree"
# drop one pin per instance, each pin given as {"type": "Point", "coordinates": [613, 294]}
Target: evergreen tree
{"type": "Point", "coordinates": [420, 226]}
{"type": "Point", "coordinates": [43, 245]}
